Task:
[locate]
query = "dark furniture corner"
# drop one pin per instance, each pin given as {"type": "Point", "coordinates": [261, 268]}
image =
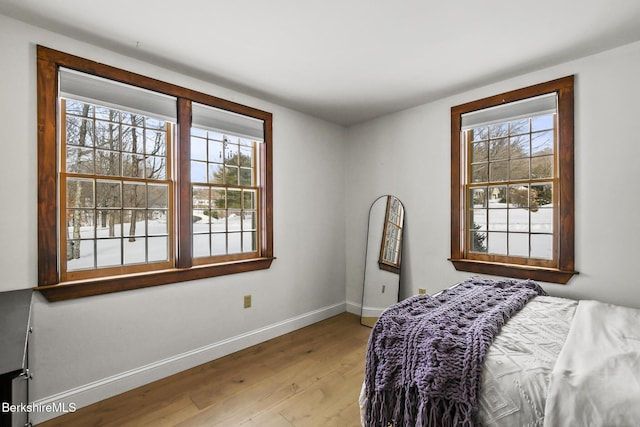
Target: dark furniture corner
{"type": "Point", "coordinates": [15, 316]}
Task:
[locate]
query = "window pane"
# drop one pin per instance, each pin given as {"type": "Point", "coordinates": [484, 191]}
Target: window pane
{"type": "Point", "coordinates": [479, 219]}
{"type": "Point", "coordinates": [219, 199]}
{"type": "Point", "coordinates": [497, 243]}
{"type": "Point", "coordinates": [105, 113]}
{"type": "Point", "coordinates": [479, 241]}
{"type": "Point", "coordinates": [80, 224]}
{"type": "Point", "coordinates": [479, 152]}
{"type": "Point", "coordinates": [198, 149]}
{"type": "Point", "coordinates": [519, 244]}
{"type": "Point", "coordinates": [231, 154]}
{"type": "Point", "coordinates": [519, 146]}
{"type": "Point", "coordinates": [479, 134]}
{"type": "Point", "coordinates": [218, 244]}
{"type": "Point", "coordinates": [234, 199]}
{"type": "Point", "coordinates": [108, 194]}
{"type": "Point", "coordinates": [79, 160]}
{"type": "Point", "coordinates": [519, 196]}
{"type": "Point", "coordinates": [201, 245]}
{"type": "Point", "coordinates": [518, 127]}
{"type": "Point", "coordinates": [249, 199]}
{"type": "Point", "coordinates": [80, 255]}
{"type": "Point", "coordinates": [518, 220]}
{"type": "Point", "coordinates": [153, 123]}
{"type": "Point", "coordinates": [107, 163]}
{"type": "Point", "coordinates": [542, 246]}
{"type": "Point", "coordinates": [497, 220]}
{"type": "Point", "coordinates": [156, 167]}
{"type": "Point", "coordinates": [158, 249]}
{"type": "Point", "coordinates": [542, 167]}
{"type": "Point", "coordinates": [541, 195]}
{"type": "Point", "coordinates": [499, 149]}
{"type": "Point", "coordinates": [246, 156]}
{"type": "Point", "coordinates": [134, 195]}
{"type": "Point", "coordinates": [498, 130]}
{"type": "Point", "coordinates": [249, 241]}
{"type": "Point", "coordinates": [231, 175]}
{"type": "Point", "coordinates": [110, 223]}
{"type": "Point", "coordinates": [216, 151]}
{"type": "Point", "coordinates": [198, 132]}
{"type": "Point", "coordinates": [198, 172]}
{"type": "Point", "coordinates": [109, 252]}
{"type": "Point", "coordinates": [200, 197]}
{"type": "Point", "coordinates": [133, 165]}
{"type": "Point", "coordinates": [135, 250]}
{"type": "Point", "coordinates": [246, 177]}
{"type": "Point", "coordinates": [235, 243]}
{"type": "Point", "coordinates": [157, 224]}
{"type": "Point", "coordinates": [542, 122]}
{"type": "Point", "coordinates": [542, 143]}
{"type": "Point", "coordinates": [108, 134]}
{"type": "Point", "coordinates": [158, 196]}
{"type": "Point", "coordinates": [498, 171]}
{"type": "Point", "coordinates": [234, 220]}
{"type": "Point", "coordinates": [80, 193]}
{"type": "Point", "coordinates": [216, 175]}
{"type": "Point", "coordinates": [133, 136]}
{"type": "Point", "coordinates": [497, 195]}
{"type": "Point", "coordinates": [478, 197]}
{"type": "Point", "coordinates": [542, 220]}
{"type": "Point", "coordinates": [479, 173]}
{"type": "Point", "coordinates": [134, 223]}
{"type": "Point", "coordinates": [249, 221]}
{"type": "Point", "coordinates": [155, 142]}
{"type": "Point", "coordinates": [219, 221]}
{"type": "Point", "coordinates": [519, 169]}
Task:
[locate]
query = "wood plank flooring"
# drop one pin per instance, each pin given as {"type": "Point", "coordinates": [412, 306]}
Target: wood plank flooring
{"type": "Point", "coordinates": [309, 377]}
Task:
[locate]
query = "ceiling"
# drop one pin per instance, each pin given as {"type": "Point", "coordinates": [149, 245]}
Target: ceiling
{"type": "Point", "coordinates": [345, 61]}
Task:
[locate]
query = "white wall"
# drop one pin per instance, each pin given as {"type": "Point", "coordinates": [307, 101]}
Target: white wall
{"type": "Point", "coordinates": [408, 154]}
{"type": "Point", "coordinates": [86, 349]}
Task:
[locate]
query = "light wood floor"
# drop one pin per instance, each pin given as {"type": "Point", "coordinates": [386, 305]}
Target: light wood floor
{"type": "Point", "coordinates": [310, 377]}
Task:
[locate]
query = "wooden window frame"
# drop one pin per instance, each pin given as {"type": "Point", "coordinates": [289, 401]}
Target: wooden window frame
{"type": "Point", "coordinates": [563, 267]}
{"type": "Point", "coordinates": [49, 284]}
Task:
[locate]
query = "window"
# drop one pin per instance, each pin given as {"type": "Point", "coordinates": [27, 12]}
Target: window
{"type": "Point", "coordinates": [512, 183]}
{"type": "Point", "coordinates": [154, 183]}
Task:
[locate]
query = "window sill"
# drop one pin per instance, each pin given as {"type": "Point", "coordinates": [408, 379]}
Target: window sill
{"type": "Point", "coordinates": [85, 288]}
{"type": "Point", "coordinates": [550, 275]}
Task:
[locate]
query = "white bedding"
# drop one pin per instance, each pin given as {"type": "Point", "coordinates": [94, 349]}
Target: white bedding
{"type": "Point", "coordinates": [519, 362]}
{"type": "Point", "coordinates": [596, 379]}
{"type": "Point", "coordinates": [563, 363]}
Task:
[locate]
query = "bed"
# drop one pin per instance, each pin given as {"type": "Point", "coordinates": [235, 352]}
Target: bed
{"type": "Point", "coordinates": [502, 353]}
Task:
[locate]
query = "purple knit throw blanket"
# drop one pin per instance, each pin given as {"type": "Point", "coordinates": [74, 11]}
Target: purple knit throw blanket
{"type": "Point", "coordinates": [425, 354]}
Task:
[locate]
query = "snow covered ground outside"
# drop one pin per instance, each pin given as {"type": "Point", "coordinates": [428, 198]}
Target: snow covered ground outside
{"type": "Point", "coordinates": [118, 250]}
{"type": "Point", "coordinates": [507, 228]}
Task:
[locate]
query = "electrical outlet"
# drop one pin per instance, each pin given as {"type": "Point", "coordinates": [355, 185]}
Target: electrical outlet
{"type": "Point", "coordinates": [422, 291]}
{"type": "Point", "coordinates": [247, 301]}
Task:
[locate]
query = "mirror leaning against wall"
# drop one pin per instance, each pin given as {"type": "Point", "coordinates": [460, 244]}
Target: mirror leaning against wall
{"type": "Point", "coordinates": [383, 258]}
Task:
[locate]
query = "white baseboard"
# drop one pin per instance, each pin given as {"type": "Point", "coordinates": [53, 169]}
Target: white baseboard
{"type": "Point", "coordinates": [61, 403]}
{"type": "Point", "coordinates": [354, 307]}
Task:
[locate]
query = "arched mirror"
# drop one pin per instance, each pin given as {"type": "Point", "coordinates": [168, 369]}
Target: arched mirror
{"type": "Point", "coordinates": [382, 258]}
